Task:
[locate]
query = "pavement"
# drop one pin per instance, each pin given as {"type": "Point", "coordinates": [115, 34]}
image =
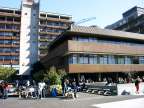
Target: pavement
{"type": "Point", "coordinates": [84, 100]}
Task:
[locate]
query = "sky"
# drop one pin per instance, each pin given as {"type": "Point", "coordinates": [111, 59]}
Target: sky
{"type": "Point", "coordinates": [105, 11]}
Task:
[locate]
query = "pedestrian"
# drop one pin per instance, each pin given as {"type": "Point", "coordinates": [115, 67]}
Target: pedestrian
{"type": "Point", "coordinates": [137, 82]}
{"type": "Point", "coordinates": [64, 87]}
{"type": "Point", "coordinates": [27, 83]}
{"type": "Point", "coordinates": [1, 90]}
{"type": "Point", "coordinates": [41, 86]}
{"type": "Point", "coordinates": [5, 90]}
{"type": "Point", "coordinates": [75, 88]}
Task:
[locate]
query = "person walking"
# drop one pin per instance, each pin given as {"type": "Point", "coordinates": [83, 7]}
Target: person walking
{"type": "Point", "coordinates": [5, 90]}
{"type": "Point", "coordinates": [64, 87]}
{"type": "Point", "coordinates": [75, 88]}
{"type": "Point", "coordinates": [137, 82]}
{"type": "Point", "coordinates": [41, 86]}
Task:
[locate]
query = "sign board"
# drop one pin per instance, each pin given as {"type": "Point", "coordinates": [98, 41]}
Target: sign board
{"type": "Point", "coordinates": [130, 89]}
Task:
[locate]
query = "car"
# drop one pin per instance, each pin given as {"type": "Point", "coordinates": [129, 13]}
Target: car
{"type": "Point", "coordinates": [12, 90]}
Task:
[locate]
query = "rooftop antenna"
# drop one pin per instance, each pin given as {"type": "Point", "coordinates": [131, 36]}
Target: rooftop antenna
{"type": "Point", "coordinates": [84, 20]}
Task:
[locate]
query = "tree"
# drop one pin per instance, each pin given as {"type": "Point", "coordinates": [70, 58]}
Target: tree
{"type": "Point", "coordinates": [53, 76]}
{"type": "Point", "coordinates": [62, 73]}
{"type": "Point", "coordinates": [6, 73]}
{"type": "Point", "coordinates": [40, 73]}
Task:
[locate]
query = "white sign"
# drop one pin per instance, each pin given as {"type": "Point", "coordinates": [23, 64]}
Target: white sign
{"type": "Point", "coordinates": [130, 89]}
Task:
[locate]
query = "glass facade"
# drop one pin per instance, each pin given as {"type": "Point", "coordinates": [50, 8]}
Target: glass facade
{"type": "Point", "coordinates": [141, 60]}
{"type": "Point", "coordinates": [9, 57]}
{"type": "Point", "coordinates": [107, 41]}
{"type": "Point", "coordinates": [104, 59]}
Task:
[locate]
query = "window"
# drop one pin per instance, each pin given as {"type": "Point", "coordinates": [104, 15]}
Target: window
{"type": "Point", "coordinates": [83, 59]}
{"type": "Point", "coordinates": [92, 39]}
{"type": "Point", "coordinates": [136, 60]}
{"type": "Point", "coordinates": [111, 59]}
{"type": "Point", "coordinates": [93, 59]}
{"type": "Point", "coordinates": [120, 60]}
{"type": "Point", "coordinates": [128, 60]}
{"type": "Point", "coordinates": [2, 33]}
{"type": "Point", "coordinates": [103, 59]}
{"type": "Point", "coordinates": [141, 60]}
{"type": "Point", "coordinates": [83, 39]}
{"type": "Point", "coordinates": [75, 38]}
{"type": "Point", "coordinates": [74, 59]}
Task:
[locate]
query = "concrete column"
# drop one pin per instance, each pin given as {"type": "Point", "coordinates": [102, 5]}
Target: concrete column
{"type": "Point", "coordinates": [99, 77]}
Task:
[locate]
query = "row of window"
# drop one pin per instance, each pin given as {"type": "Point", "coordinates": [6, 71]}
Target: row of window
{"type": "Point", "coordinates": [8, 34]}
{"type": "Point", "coordinates": [104, 59]}
{"type": "Point", "coordinates": [99, 40]}
{"type": "Point", "coordinates": [52, 23]}
{"type": "Point", "coordinates": [50, 30]}
{"type": "Point", "coordinates": [9, 27]}
{"type": "Point", "coordinates": [12, 19]}
{"type": "Point", "coordinates": [9, 50]}
{"type": "Point", "coordinates": [9, 57]}
{"type": "Point", "coordinates": [9, 42]}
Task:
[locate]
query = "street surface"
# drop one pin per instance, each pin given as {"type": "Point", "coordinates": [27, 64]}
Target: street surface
{"type": "Point", "coordinates": [84, 100]}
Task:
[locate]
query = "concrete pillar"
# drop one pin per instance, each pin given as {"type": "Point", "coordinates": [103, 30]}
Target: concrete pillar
{"type": "Point", "coordinates": [99, 77]}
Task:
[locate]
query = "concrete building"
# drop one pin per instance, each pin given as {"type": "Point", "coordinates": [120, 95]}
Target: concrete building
{"type": "Point", "coordinates": [29, 35]}
{"type": "Point", "coordinates": [25, 34]}
{"type": "Point", "coordinates": [132, 21]}
{"type": "Point", "coordinates": [97, 53]}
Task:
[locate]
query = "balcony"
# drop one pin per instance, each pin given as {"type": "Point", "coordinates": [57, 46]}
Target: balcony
{"type": "Point", "coordinates": [9, 38]}
{"type": "Point", "coordinates": [9, 62]}
{"type": "Point", "coordinates": [10, 22]}
{"type": "Point", "coordinates": [9, 54]}
{"type": "Point", "coordinates": [10, 30]}
{"type": "Point", "coordinates": [9, 14]}
{"type": "Point", "coordinates": [49, 33]}
{"type": "Point", "coordinates": [54, 27]}
{"type": "Point", "coordinates": [55, 19]}
{"type": "Point", "coordinates": [8, 46]}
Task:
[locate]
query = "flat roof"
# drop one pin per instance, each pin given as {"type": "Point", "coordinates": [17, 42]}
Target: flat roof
{"type": "Point", "coordinates": [106, 32]}
{"type": "Point", "coordinates": [41, 12]}
{"type": "Point", "coordinates": [99, 32]}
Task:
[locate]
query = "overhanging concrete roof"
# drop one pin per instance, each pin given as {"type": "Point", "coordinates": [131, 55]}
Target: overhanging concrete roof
{"type": "Point", "coordinates": [106, 32]}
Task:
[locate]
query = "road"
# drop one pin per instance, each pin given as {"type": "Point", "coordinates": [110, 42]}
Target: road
{"type": "Point", "coordinates": [84, 100]}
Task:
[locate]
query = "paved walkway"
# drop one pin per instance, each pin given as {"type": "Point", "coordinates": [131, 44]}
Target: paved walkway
{"type": "Point", "coordinates": [132, 103]}
{"type": "Point", "coordinates": [84, 100]}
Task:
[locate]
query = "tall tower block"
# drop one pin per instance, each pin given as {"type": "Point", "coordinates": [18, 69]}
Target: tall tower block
{"type": "Point", "coordinates": [29, 35]}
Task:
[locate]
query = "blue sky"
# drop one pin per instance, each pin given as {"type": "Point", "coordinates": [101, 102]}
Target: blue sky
{"type": "Point", "coordinates": [105, 11]}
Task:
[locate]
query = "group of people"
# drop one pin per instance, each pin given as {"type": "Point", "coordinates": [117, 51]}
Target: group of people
{"type": "Point", "coordinates": [32, 90]}
{"type": "Point", "coordinates": [70, 86]}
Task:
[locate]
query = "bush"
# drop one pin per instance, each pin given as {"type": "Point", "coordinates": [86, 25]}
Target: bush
{"type": "Point", "coordinates": [53, 76]}
{"type": "Point", "coordinates": [6, 73]}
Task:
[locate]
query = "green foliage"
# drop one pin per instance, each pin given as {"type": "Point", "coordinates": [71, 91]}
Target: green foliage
{"type": "Point", "coordinates": [53, 76]}
{"type": "Point", "coordinates": [6, 73]}
{"type": "Point", "coordinates": [62, 73]}
{"type": "Point", "coordinates": [39, 73]}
